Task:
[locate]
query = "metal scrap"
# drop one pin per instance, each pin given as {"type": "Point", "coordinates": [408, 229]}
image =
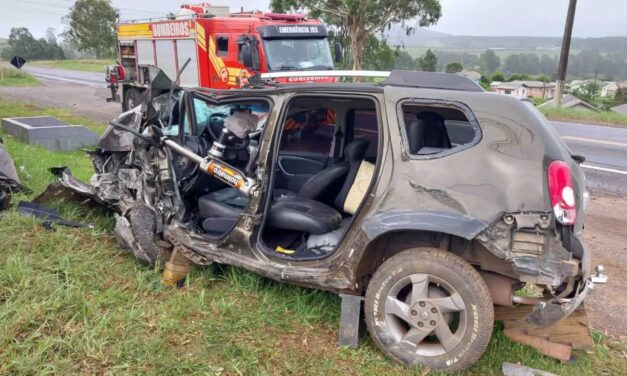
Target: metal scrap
{"type": "Point", "coordinates": [512, 369]}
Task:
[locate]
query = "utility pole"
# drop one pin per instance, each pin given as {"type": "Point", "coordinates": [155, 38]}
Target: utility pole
{"type": "Point", "coordinates": [561, 71]}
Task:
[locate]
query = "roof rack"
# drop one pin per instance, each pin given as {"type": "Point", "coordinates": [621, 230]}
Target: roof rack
{"type": "Point", "coordinates": [325, 73]}
{"type": "Point", "coordinates": [424, 80]}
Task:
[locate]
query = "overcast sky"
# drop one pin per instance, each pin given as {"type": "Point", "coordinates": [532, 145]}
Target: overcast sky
{"type": "Point", "coordinates": [463, 17]}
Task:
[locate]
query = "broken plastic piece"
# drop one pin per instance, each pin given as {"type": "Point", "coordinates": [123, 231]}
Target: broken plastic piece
{"type": "Point", "coordinates": [51, 215]}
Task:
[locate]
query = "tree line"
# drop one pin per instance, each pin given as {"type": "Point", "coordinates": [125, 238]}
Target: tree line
{"type": "Point", "coordinates": [583, 64]}
{"type": "Point", "coordinates": [22, 43]}
{"type": "Point", "coordinates": [90, 29]}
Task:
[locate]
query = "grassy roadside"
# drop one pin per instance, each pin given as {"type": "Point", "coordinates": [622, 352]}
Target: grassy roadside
{"type": "Point", "coordinates": [10, 108]}
{"type": "Point", "coordinates": [73, 302]}
{"type": "Point", "coordinates": [15, 77]}
{"type": "Point", "coordinates": [582, 116]}
{"type": "Point", "coordinates": [77, 65]}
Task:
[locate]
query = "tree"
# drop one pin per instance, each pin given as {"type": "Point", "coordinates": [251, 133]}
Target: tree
{"type": "Point", "coordinates": [359, 20]}
{"type": "Point", "coordinates": [378, 55]}
{"type": "Point", "coordinates": [453, 67]}
{"type": "Point", "coordinates": [91, 26]}
{"type": "Point", "coordinates": [22, 43]}
{"type": "Point", "coordinates": [621, 96]}
{"type": "Point", "coordinates": [404, 61]}
{"type": "Point", "coordinates": [428, 62]}
{"type": "Point", "coordinates": [52, 49]}
{"type": "Point", "coordinates": [588, 91]}
{"type": "Point", "coordinates": [518, 77]}
{"type": "Point", "coordinates": [489, 61]}
{"type": "Point", "coordinates": [498, 76]}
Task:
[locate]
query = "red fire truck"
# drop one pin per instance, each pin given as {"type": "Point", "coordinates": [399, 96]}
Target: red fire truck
{"type": "Point", "coordinates": [225, 49]}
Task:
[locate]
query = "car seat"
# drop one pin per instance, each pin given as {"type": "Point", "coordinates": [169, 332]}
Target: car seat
{"type": "Point", "coordinates": [427, 134]}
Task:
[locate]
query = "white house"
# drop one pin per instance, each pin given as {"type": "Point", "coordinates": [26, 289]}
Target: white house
{"type": "Point", "coordinates": [525, 89]}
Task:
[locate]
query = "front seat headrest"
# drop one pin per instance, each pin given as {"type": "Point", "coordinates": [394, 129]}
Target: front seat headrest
{"type": "Point", "coordinates": [356, 150]}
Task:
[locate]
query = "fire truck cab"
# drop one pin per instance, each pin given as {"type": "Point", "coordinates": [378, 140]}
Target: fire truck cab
{"type": "Point", "coordinates": [225, 49]}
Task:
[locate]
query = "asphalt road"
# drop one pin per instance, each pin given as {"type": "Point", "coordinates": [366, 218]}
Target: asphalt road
{"type": "Point", "coordinates": [605, 148]}
{"type": "Point", "coordinates": [92, 79]}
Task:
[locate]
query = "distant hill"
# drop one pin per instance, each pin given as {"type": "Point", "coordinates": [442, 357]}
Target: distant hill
{"type": "Point", "coordinates": [437, 40]}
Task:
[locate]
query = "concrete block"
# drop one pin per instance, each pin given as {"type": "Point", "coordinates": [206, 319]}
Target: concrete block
{"type": "Point", "coordinates": [49, 132]}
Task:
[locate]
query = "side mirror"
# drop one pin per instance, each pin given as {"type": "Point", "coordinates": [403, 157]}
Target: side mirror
{"type": "Point", "coordinates": [338, 52]}
{"type": "Point", "coordinates": [250, 53]}
{"type": "Point", "coordinates": [247, 55]}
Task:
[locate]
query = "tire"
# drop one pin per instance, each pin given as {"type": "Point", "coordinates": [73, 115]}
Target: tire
{"type": "Point", "coordinates": [143, 225]}
{"type": "Point", "coordinates": [422, 295]}
{"type": "Point", "coordinates": [132, 98]}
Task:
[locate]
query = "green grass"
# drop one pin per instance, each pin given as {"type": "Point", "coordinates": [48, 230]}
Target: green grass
{"type": "Point", "coordinates": [14, 77]}
{"type": "Point", "coordinates": [584, 116]}
{"type": "Point", "coordinates": [10, 108]}
{"type": "Point", "coordinates": [77, 65]}
{"type": "Point", "coordinates": [72, 302]}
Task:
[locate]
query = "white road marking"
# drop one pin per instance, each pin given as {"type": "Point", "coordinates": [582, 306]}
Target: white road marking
{"type": "Point", "coordinates": [604, 169]}
{"type": "Point", "coordinates": [595, 141]}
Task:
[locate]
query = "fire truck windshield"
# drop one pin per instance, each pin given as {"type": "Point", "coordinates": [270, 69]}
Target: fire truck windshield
{"type": "Point", "coordinates": [298, 54]}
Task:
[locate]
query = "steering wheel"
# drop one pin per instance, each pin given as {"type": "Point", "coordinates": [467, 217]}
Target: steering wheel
{"type": "Point", "coordinates": [212, 118]}
{"type": "Point", "coordinates": [233, 143]}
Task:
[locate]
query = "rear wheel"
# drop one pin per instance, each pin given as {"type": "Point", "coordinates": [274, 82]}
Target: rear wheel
{"type": "Point", "coordinates": [427, 307]}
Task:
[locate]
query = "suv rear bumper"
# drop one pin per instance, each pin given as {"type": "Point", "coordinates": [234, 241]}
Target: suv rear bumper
{"type": "Point", "coordinates": [547, 313]}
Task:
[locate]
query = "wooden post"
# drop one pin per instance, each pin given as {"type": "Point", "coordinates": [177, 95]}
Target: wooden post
{"type": "Point", "coordinates": [1, 71]}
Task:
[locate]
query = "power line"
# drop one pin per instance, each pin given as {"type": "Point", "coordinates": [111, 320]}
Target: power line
{"type": "Point", "coordinates": [141, 12]}
{"type": "Point", "coordinates": [34, 11]}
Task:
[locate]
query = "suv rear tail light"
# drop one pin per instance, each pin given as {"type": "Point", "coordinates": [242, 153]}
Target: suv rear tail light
{"type": "Point", "coordinates": [562, 192]}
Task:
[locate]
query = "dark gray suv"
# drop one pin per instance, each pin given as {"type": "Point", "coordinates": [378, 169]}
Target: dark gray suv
{"type": "Point", "coordinates": [427, 196]}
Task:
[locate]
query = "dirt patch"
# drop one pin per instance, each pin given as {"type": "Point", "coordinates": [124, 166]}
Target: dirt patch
{"type": "Point", "coordinates": [606, 236]}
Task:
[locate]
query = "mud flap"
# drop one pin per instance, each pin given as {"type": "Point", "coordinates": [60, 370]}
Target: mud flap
{"type": "Point", "coordinates": [351, 323]}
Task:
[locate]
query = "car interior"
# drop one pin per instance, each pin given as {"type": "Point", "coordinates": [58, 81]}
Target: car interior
{"type": "Point", "coordinates": [325, 162]}
{"type": "Point", "coordinates": [326, 152]}
{"type": "Point", "coordinates": [432, 129]}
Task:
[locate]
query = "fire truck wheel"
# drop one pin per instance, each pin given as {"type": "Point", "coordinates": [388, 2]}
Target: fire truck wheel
{"type": "Point", "coordinates": [132, 98]}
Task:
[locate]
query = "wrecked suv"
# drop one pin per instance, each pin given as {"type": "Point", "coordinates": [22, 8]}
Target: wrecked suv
{"type": "Point", "coordinates": [427, 196]}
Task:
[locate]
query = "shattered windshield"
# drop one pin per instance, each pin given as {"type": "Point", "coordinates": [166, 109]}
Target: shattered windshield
{"type": "Point", "coordinates": [297, 54]}
{"type": "Point", "coordinates": [208, 114]}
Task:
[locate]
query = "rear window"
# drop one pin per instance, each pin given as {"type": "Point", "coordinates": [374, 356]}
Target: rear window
{"type": "Point", "coordinates": [434, 130]}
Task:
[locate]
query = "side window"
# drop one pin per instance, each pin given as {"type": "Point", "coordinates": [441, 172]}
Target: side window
{"type": "Point", "coordinates": [365, 126]}
{"type": "Point", "coordinates": [431, 129]}
{"type": "Point", "coordinates": [309, 131]}
{"type": "Point", "coordinates": [222, 45]}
